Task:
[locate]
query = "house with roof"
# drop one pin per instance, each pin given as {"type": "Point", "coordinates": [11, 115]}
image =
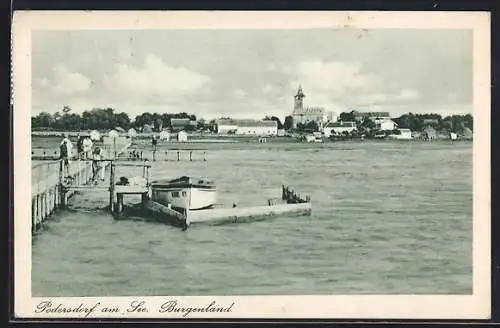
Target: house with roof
{"type": "Point", "coordinates": [401, 134]}
{"type": "Point", "coordinates": [361, 116]}
{"type": "Point", "coordinates": [385, 124]}
{"type": "Point", "coordinates": [247, 127]}
{"type": "Point", "coordinates": [254, 127]}
{"type": "Point", "coordinates": [429, 133]}
{"type": "Point", "coordinates": [226, 126]}
{"type": "Point", "coordinates": [466, 134]}
{"type": "Point", "coordinates": [179, 124]}
{"type": "Point", "coordinates": [132, 133]}
{"type": "Point", "coordinates": [430, 121]}
{"type": "Point", "coordinates": [182, 136]}
{"type": "Point", "coordinates": [164, 135]}
{"type": "Point", "coordinates": [338, 128]}
{"type": "Point", "coordinates": [146, 128]}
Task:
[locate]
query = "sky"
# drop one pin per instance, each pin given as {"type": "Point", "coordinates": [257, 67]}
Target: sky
{"type": "Point", "coordinates": [253, 73]}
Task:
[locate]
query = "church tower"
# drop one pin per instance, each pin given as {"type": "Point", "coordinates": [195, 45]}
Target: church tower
{"type": "Point", "coordinates": [299, 99]}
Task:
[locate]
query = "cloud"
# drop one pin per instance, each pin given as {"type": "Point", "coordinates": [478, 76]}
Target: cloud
{"type": "Point", "coordinates": [408, 94]}
{"type": "Point", "coordinates": [453, 96]}
{"type": "Point", "coordinates": [66, 82]}
{"type": "Point", "coordinates": [347, 84]}
{"type": "Point", "coordinates": [271, 67]}
{"type": "Point", "coordinates": [43, 81]}
{"type": "Point", "coordinates": [335, 78]}
{"type": "Point", "coordinates": [154, 80]}
{"type": "Point", "coordinates": [240, 93]}
{"type": "Point", "coordinates": [286, 69]}
{"type": "Point", "coordinates": [375, 98]}
{"type": "Point", "coordinates": [267, 88]}
{"type": "Point", "coordinates": [125, 54]}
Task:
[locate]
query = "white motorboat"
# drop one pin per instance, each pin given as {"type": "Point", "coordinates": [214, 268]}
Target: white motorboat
{"type": "Point", "coordinates": [185, 193]}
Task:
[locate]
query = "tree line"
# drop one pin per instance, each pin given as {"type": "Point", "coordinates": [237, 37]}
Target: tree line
{"type": "Point", "coordinates": [108, 118]}
{"type": "Point", "coordinates": [103, 119]}
{"type": "Point", "coordinates": [414, 122]}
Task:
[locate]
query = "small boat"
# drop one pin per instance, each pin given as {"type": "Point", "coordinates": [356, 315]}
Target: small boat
{"type": "Point", "coordinates": [184, 193]}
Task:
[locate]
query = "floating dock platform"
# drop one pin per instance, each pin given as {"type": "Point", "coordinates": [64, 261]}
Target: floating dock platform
{"type": "Point", "coordinates": [291, 204]}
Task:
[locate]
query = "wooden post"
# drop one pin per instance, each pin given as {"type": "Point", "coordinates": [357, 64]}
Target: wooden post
{"type": "Point", "coordinates": [40, 210]}
{"type": "Point", "coordinates": [57, 198]}
{"type": "Point", "coordinates": [33, 224]}
{"type": "Point", "coordinates": [62, 190]}
{"type": "Point", "coordinates": [65, 199]}
{"type": "Point", "coordinates": [119, 200]}
{"type": "Point", "coordinates": [52, 200]}
{"type": "Point", "coordinates": [111, 187]}
{"type": "Point", "coordinates": [45, 204]}
{"type": "Point", "coordinates": [144, 199]}
{"type": "Point", "coordinates": [178, 156]}
{"type": "Point", "coordinates": [114, 146]}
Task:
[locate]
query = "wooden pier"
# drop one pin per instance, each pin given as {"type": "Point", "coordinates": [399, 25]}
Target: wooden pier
{"type": "Point", "coordinates": [54, 186]}
{"type": "Point", "coordinates": [166, 155]}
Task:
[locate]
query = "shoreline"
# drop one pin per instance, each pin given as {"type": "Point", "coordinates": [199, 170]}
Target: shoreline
{"type": "Point", "coordinates": [208, 138]}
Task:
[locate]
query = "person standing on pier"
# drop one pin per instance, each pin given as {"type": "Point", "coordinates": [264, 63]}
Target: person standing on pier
{"type": "Point", "coordinates": [79, 146]}
{"type": "Point", "coordinates": [65, 151]}
{"type": "Point", "coordinates": [87, 147]}
{"type": "Point", "coordinates": [97, 165]}
{"type": "Point", "coordinates": [154, 143]}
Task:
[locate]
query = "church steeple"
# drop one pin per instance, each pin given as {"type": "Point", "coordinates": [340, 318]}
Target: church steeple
{"type": "Point", "coordinates": [300, 95]}
{"type": "Point", "coordinates": [299, 98]}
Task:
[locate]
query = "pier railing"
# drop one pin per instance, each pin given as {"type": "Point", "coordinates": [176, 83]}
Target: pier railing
{"type": "Point", "coordinates": [52, 185]}
{"type": "Point", "coordinates": [165, 155]}
{"type": "Point", "coordinates": [291, 197]}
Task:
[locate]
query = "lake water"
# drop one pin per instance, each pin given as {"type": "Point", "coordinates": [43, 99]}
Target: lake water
{"type": "Point", "coordinates": [387, 218]}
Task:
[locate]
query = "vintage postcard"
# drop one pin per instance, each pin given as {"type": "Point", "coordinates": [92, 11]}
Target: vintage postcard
{"type": "Point", "coordinates": [195, 165]}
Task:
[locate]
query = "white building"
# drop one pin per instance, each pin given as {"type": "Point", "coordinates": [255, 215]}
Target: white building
{"type": "Point", "coordinates": [226, 126]}
{"type": "Point", "coordinates": [132, 133]}
{"type": "Point", "coordinates": [182, 136]}
{"type": "Point", "coordinates": [385, 124]}
{"type": "Point", "coordinates": [330, 117]}
{"type": "Point", "coordinates": [165, 135]}
{"type": "Point", "coordinates": [248, 127]}
{"type": "Point", "coordinates": [338, 128]}
{"type": "Point", "coordinates": [401, 134]}
{"type": "Point", "coordinates": [374, 116]}
{"type": "Point", "coordinates": [308, 114]}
